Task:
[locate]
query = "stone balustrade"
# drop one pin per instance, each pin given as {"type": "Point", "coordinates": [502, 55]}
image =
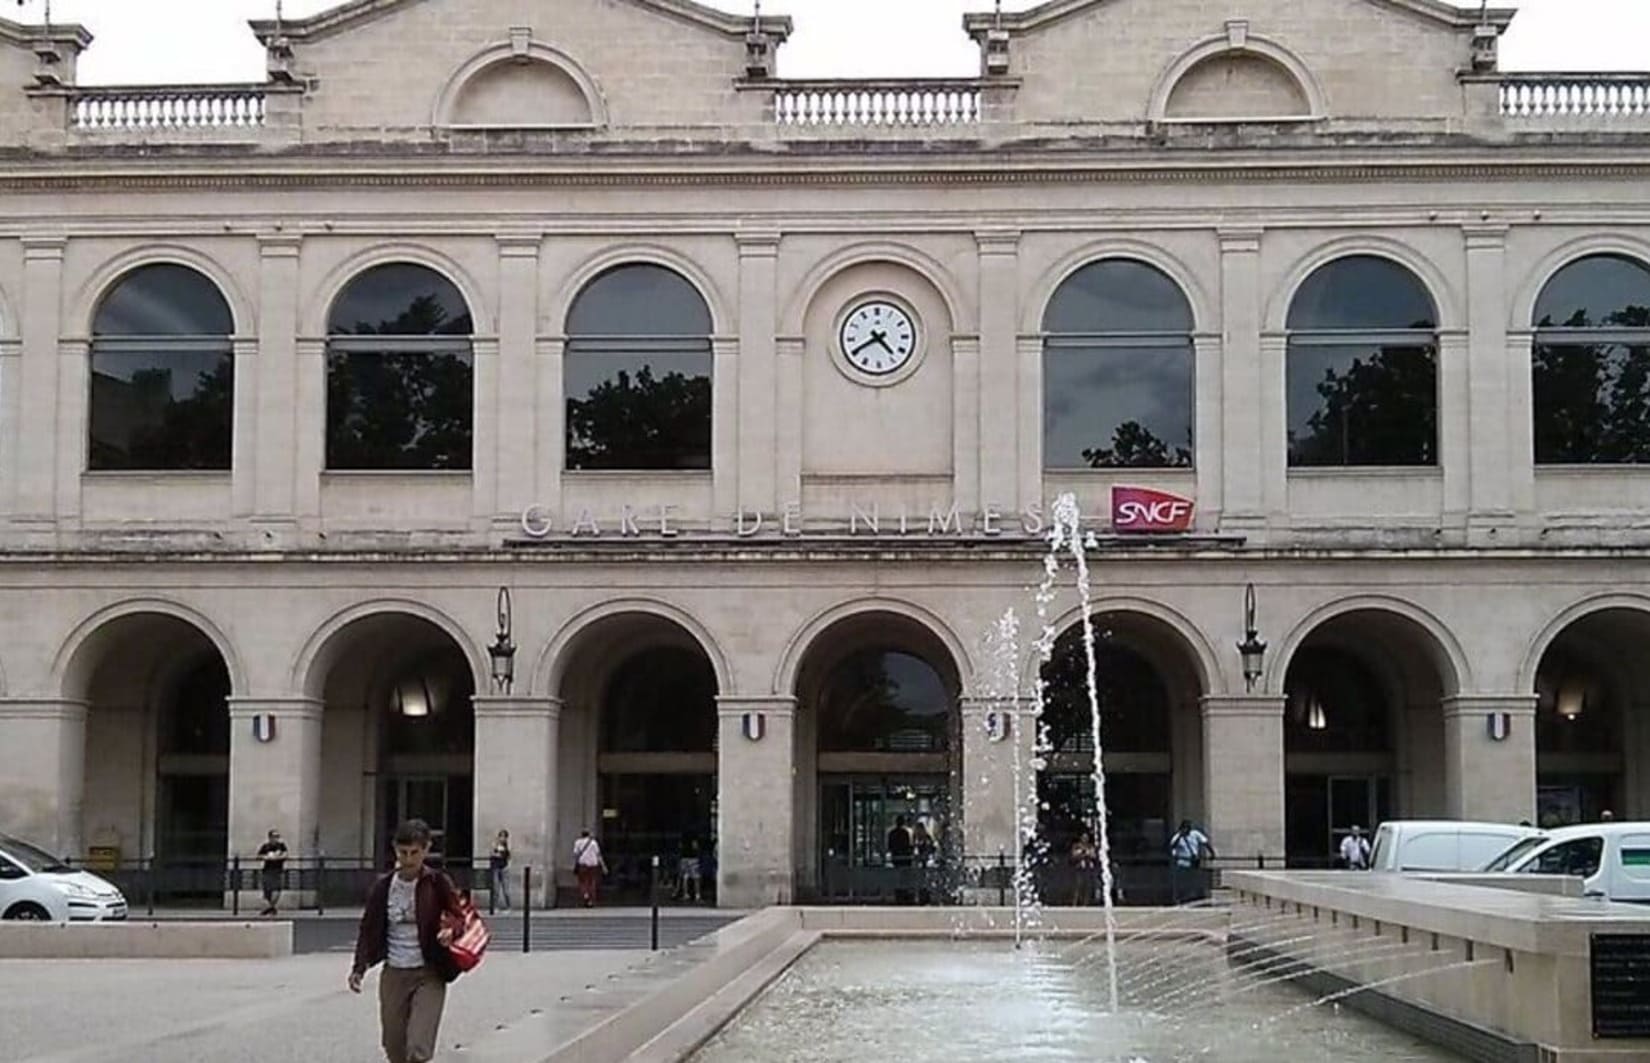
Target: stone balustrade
{"type": "Point", "coordinates": [850, 104]}
{"type": "Point", "coordinates": [122, 109]}
{"type": "Point", "coordinates": [1595, 96]}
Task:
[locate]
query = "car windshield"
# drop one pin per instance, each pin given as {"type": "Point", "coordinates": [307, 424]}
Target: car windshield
{"type": "Point", "coordinates": [1514, 854]}
{"type": "Point", "coordinates": [32, 858]}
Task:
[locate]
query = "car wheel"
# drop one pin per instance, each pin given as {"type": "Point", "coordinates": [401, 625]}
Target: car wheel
{"type": "Point", "coordinates": [27, 910]}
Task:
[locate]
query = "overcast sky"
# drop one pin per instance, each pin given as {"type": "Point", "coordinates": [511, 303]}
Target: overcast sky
{"type": "Point", "coordinates": [208, 40]}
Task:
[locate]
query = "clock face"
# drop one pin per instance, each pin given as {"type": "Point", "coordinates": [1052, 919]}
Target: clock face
{"type": "Point", "coordinates": [878, 337]}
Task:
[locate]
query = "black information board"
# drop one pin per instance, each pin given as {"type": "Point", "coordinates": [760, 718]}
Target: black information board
{"type": "Point", "coordinates": [1621, 985]}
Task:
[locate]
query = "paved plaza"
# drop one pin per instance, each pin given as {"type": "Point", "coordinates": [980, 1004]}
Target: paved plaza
{"type": "Point", "coordinates": [252, 1011]}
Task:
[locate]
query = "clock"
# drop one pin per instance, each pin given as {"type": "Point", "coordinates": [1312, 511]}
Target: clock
{"type": "Point", "coordinates": [878, 337]}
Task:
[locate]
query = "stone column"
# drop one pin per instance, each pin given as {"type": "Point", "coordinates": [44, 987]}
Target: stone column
{"type": "Point", "coordinates": [518, 748]}
{"type": "Point", "coordinates": [309, 444]}
{"type": "Point", "coordinates": [1455, 460]}
{"type": "Point", "coordinates": [243, 445]}
{"type": "Point", "coordinates": [1486, 778]}
{"type": "Point", "coordinates": [788, 438]}
{"type": "Point", "coordinates": [1243, 775]}
{"type": "Point", "coordinates": [724, 429]}
{"type": "Point", "coordinates": [550, 460]}
{"type": "Point", "coordinates": [1028, 361]}
{"type": "Point", "coordinates": [1209, 367]}
{"type": "Point", "coordinates": [997, 392]}
{"type": "Point", "coordinates": [516, 411]}
{"type": "Point", "coordinates": [43, 771]}
{"type": "Point", "coordinates": [275, 783]}
{"type": "Point", "coordinates": [10, 415]}
{"type": "Point", "coordinates": [758, 420]}
{"type": "Point", "coordinates": [967, 414]}
{"type": "Point", "coordinates": [41, 308]}
{"type": "Point", "coordinates": [991, 804]}
{"type": "Point", "coordinates": [486, 400]}
{"type": "Point", "coordinates": [1244, 388]}
{"type": "Point", "coordinates": [74, 401]}
{"type": "Point", "coordinates": [755, 803]}
{"type": "Point", "coordinates": [1491, 435]}
{"type": "Point", "coordinates": [274, 382]}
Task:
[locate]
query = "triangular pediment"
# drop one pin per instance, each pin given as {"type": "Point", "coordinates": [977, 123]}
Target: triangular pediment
{"type": "Point", "coordinates": [353, 13]}
{"type": "Point", "coordinates": [1053, 11]}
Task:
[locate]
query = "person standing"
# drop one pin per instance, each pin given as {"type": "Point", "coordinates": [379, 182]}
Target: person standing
{"type": "Point", "coordinates": [1083, 863]}
{"type": "Point", "coordinates": [273, 854]}
{"type": "Point", "coordinates": [900, 846]}
{"type": "Point", "coordinates": [588, 867]}
{"type": "Point", "coordinates": [498, 867]}
{"type": "Point", "coordinates": [1355, 850]}
{"type": "Point", "coordinates": [688, 873]}
{"type": "Point", "coordinates": [1187, 850]}
{"type": "Point", "coordinates": [404, 928]}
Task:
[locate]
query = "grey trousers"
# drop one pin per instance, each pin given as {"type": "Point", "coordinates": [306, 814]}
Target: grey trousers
{"type": "Point", "coordinates": [409, 1011]}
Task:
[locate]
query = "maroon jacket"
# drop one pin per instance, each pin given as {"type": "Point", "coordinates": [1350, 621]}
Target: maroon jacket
{"type": "Point", "coordinates": [435, 894]}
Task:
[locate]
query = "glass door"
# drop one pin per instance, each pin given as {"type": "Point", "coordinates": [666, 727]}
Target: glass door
{"type": "Point", "coordinates": [861, 857]}
{"type": "Point", "coordinates": [1356, 801]}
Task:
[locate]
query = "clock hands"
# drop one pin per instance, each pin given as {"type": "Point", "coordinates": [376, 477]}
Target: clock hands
{"type": "Point", "coordinates": [877, 336]}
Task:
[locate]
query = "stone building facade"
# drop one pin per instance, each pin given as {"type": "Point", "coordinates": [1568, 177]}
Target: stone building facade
{"type": "Point", "coordinates": [755, 394]}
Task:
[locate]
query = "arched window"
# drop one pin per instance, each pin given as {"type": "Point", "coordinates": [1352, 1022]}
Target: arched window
{"type": "Point", "coordinates": [884, 701]}
{"type": "Point", "coordinates": [1134, 702]}
{"type": "Point", "coordinates": [1117, 370]}
{"type": "Point", "coordinates": [1363, 367]}
{"type": "Point", "coordinates": [638, 372]}
{"type": "Point", "coordinates": [1592, 364]}
{"type": "Point", "coordinates": [163, 373]}
{"type": "Point", "coordinates": [400, 372]}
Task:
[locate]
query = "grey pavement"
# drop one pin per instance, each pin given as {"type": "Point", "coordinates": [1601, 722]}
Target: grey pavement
{"type": "Point", "coordinates": [263, 1011]}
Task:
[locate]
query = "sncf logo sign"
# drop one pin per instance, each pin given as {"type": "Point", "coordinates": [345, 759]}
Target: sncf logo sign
{"type": "Point", "coordinates": [1140, 509]}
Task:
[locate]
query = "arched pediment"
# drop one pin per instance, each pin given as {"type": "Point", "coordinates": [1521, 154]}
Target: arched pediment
{"type": "Point", "coordinates": [1237, 77]}
{"type": "Point", "coordinates": [520, 84]}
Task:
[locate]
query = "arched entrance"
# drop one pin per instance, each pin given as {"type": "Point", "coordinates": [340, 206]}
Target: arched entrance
{"type": "Point", "coordinates": [639, 695]}
{"type": "Point", "coordinates": [1592, 687]}
{"type": "Point", "coordinates": [1363, 730]}
{"type": "Point", "coordinates": [1148, 691]}
{"type": "Point", "coordinates": [397, 741]}
{"type": "Point", "coordinates": [157, 750]}
{"type": "Point", "coordinates": [878, 749]}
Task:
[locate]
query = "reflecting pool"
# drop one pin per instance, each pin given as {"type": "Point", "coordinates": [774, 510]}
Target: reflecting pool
{"type": "Point", "coordinates": [967, 1002]}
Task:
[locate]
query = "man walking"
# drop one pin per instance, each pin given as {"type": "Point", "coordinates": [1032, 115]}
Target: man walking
{"type": "Point", "coordinates": [273, 852]}
{"type": "Point", "coordinates": [404, 928]}
{"type": "Point", "coordinates": [1186, 852]}
{"type": "Point", "coordinates": [588, 867]}
{"type": "Point", "coordinates": [1355, 850]}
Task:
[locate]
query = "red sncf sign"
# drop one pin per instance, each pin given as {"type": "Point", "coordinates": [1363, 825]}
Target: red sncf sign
{"type": "Point", "coordinates": [1141, 509]}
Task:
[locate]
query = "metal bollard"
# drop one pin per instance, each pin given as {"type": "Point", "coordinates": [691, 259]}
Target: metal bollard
{"type": "Point", "coordinates": [149, 886]}
{"type": "Point", "coordinates": [320, 884]}
{"type": "Point", "coordinates": [235, 885]}
{"type": "Point", "coordinates": [654, 890]}
{"type": "Point", "coordinates": [527, 908]}
{"type": "Point", "coordinates": [1002, 879]}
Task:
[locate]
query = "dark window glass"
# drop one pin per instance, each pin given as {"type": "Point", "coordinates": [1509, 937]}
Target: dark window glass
{"type": "Point", "coordinates": [162, 374]}
{"type": "Point", "coordinates": [638, 373]}
{"type": "Point", "coordinates": [400, 373]}
{"type": "Point", "coordinates": [661, 701]}
{"type": "Point", "coordinates": [1575, 712]}
{"type": "Point", "coordinates": [1591, 364]}
{"type": "Point", "coordinates": [1333, 704]}
{"type": "Point", "coordinates": [197, 721]}
{"type": "Point", "coordinates": [1117, 370]}
{"type": "Point", "coordinates": [430, 709]}
{"type": "Point", "coordinates": [1362, 376]}
{"type": "Point", "coordinates": [1134, 703]}
{"type": "Point", "coordinates": [879, 701]}
{"type": "Point", "coordinates": [1580, 857]}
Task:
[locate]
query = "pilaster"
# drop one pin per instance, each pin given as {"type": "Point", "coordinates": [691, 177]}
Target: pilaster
{"type": "Point", "coordinates": [1246, 394]}
{"type": "Point", "coordinates": [485, 430]}
{"type": "Point", "coordinates": [517, 754]}
{"type": "Point", "coordinates": [1029, 431]}
{"type": "Point", "coordinates": [1489, 777]}
{"type": "Point", "coordinates": [788, 439]}
{"type": "Point", "coordinates": [74, 386]}
{"type": "Point", "coordinates": [996, 385]}
{"type": "Point", "coordinates": [1455, 401]}
{"type": "Point", "coordinates": [275, 781]}
{"type": "Point", "coordinates": [515, 411]}
{"type": "Point", "coordinates": [1209, 428]}
{"type": "Point", "coordinates": [43, 771]}
{"type": "Point", "coordinates": [1243, 774]}
{"type": "Point", "coordinates": [1492, 437]}
{"type": "Point", "coordinates": [41, 326]}
{"type": "Point", "coordinates": [993, 793]}
{"type": "Point", "coordinates": [756, 798]}
{"type": "Point", "coordinates": [758, 369]}
{"type": "Point", "coordinates": [310, 422]}
{"type": "Point", "coordinates": [724, 430]}
{"type": "Point", "coordinates": [967, 410]}
{"type": "Point", "coordinates": [274, 382]}
{"type": "Point", "coordinates": [550, 455]}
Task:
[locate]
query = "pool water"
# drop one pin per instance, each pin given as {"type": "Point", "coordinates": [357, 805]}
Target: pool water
{"type": "Point", "coordinates": [921, 1001]}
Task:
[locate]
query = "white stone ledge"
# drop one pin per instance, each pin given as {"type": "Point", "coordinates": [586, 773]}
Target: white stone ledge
{"type": "Point", "coordinates": [166, 940]}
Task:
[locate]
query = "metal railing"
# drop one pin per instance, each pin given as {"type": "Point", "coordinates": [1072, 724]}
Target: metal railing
{"type": "Point", "coordinates": [305, 883]}
{"type": "Point", "coordinates": [1542, 95]}
{"type": "Point", "coordinates": [877, 104]}
{"type": "Point", "coordinates": [106, 109]}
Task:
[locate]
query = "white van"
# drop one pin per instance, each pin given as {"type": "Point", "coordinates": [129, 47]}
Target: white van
{"type": "Point", "coordinates": [1611, 859]}
{"type": "Point", "coordinates": [1442, 844]}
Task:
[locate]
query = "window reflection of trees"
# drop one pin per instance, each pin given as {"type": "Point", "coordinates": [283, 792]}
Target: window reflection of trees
{"type": "Point", "coordinates": [879, 701]}
{"type": "Point", "coordinates": [1591, 364]}
{"type": "Point", "coordinates": [661, 700]}
{"type": "Point", "coordinates": [400, 373]}
{"type": "Point", "coordinates": [162, 374]}
{"type": "Point", "coordinates": [639, 373]}
{"type": "Point", "coordinates": [1134, 702]}
{"type": "Point", "coordinates": [1117, 370]}
{"type": "Point", "coordinates": [1362, 367]}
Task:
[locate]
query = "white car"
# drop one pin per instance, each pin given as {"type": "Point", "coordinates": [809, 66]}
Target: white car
{"type": "Point", "coordinates": [34, 884]}
{"type": "Point", "coordinates": [1611, 859]}
{"type": "Point", "coordinates": [1442, 844]}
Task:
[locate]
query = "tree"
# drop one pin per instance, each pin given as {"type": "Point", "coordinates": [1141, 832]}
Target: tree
{"type": "Point", "coordinates": [641, 422]}
{"type": "Point", "coordinates": [1380, 410]}
{"type": "Point", "coordinates": [399, 411]}
{"type": "Point", "coordinates": [1134, 446]}
{"type": "Point", "coordinates": [1592, 400]}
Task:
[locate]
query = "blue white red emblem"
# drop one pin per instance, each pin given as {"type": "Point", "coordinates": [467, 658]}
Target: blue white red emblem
{"type": "Point", "coordinates": [1500, 726]}
{"type": "Point", "coordinates": [263, 726]}
{"type": "Point", "coordinates": [755, 726]}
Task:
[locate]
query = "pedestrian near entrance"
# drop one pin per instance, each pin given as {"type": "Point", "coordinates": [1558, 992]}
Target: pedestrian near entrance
{"type": "Point", "coordinates": [405, 927]}
{"type": "Point", "coordinates": [588, 867]}
{"type": "Point", "coordinates": [689, 874]}
{"type": "Point", "coordinates": [273, 853]}
{"type": "Point", "coordinates": [498, 866]}
{"type": "Point", "coordinates": [1187, 850]}
{"type": "Point", "coordinates": [1355, 850]}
